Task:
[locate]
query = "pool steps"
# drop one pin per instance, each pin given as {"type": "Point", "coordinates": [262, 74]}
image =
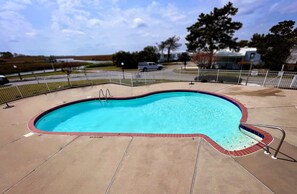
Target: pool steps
{"type": "Point", "coordinates": [270, 127]}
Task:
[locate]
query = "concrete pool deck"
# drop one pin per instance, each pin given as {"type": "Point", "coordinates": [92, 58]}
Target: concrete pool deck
{"type": "Point", "coordinates": [82, 164]}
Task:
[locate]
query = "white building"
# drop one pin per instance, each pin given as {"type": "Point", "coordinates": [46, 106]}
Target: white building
{"type": "Point", "coordinates": [230, 59]}
{"type": "Point", "coordinates": [291, 63]}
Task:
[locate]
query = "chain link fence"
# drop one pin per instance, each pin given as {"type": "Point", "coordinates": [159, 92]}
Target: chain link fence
{"type": "Point", "coordinates": [36, 85]}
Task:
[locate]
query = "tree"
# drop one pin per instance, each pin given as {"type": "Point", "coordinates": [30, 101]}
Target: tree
{"type": "Point", "coordinates": [214, 31]}
{"type": "Point", "coordinates": [6, 55]}
{"type": "Point", "coordinates": [243, 43]}
{"type": "Point", "coordinates": [275, 46]}
{"type": "Point", "coordinates": [68, 71]}
{"type": "Point", "coordinates": [124, 57]}
{"type": "Point", "coordinates": [52, 59]}
{"type": "Point", "coordinates": [171, 45]}
{"type": "Point", "coordinates": [184, 57]}
{"type": "Point", "coordinates": [202, 59]}
{"type": "Point", "coordinates": [161, 48]}
{"type": "Point", "coordinates": [149, 53]}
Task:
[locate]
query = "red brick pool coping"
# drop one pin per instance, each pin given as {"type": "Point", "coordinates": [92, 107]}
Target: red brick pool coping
{"type": "Point", "coordinates": [266, 137]}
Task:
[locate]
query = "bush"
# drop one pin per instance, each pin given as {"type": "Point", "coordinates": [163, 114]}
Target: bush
{"type": "Point", "coordinates": [94, 65]}
{"type": "Point", "coordinates": [126, 58]}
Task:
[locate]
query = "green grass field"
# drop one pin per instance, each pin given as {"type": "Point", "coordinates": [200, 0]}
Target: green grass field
{"type": "Point", "coordinates": [8, 93]}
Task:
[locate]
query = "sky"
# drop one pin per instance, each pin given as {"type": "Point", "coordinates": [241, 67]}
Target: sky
{"type": "Point", "coordinates": [97, 27]}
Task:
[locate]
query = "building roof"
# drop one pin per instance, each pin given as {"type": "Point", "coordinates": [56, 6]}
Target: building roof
{"type": "Point", "coordinates": [232, 53]}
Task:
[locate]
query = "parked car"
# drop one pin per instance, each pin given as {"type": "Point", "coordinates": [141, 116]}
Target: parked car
{"type": "Point", "coordinates": [148, 66]}
{"type": "Point", "coordinates": [3, 80]}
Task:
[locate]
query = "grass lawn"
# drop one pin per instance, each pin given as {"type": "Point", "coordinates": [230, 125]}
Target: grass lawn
{"type": "Point", "coordinates": [8, 93]}
{"type": "Point", "coordinates": [42, 74]}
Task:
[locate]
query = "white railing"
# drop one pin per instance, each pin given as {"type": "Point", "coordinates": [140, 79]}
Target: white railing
{"type": "Point", "coordinates": [36, 85]}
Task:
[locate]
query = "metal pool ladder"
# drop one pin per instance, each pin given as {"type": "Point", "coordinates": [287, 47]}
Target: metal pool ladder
{"type": "Point", "coordinates": [271, 127]}
{"type": "Point", "coordinates": [103, 96]}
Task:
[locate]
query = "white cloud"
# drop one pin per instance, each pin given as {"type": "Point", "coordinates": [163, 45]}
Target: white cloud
{"type": "Point", "coordinates": [284, 7]}
{"type": "Point", "coordinates": [14, 23]}
{"type": "Point", "coordinates": [12, 6]}
{"type": "Point", "coordinates": [31, 34]}
{"type": "Point", "coordinates": [93, 22]}
{"type": "Point", "coordinates": [24, 1]}
{"type": "Point", "coordinates": [69, 31]}
{"type": "Point", "coordinates": [150, 35]}
{"type": "Point", "coordinates": [247, 7]}
{"type": "Point", "coordinates": [138, 23]}
{"type": "Point", "coordinates": [173, 13]}
{"type": "Point", "coordinates": [105, 26]}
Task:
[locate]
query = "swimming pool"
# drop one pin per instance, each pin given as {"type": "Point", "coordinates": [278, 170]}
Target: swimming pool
{"type": "Point", "coordinates": [167, 113]}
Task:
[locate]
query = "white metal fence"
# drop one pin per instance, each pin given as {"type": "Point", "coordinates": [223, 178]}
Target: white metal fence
{"type": "Point", "coordinates": [35, 85]}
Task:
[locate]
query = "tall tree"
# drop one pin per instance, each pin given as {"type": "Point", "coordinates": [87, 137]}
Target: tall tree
{"type": "Point", "coordinates": [171, 45]}
{"type": "Point", "coordinates": [275, 46]}
{"type": "Point", "coordinates": [161, 48]}
{"type": "Point", "coordinates": [214, 31]}
{"type": "Point", "coordinates": [149, 53]}
{"type": "Point", "coordinates": [6, 55]}
{"type": "Point", "coordinates": [184, 57]}
{"type": "Point", "coordinates": [126, 58]}
{"type": "Point", "coordinates": [243, 43]}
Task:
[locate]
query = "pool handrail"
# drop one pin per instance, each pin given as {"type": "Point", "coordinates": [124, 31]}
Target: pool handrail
{"type": "Point", "coordinates": [107, 93]}
{"type": "Point", "coordinates": [271, 127]}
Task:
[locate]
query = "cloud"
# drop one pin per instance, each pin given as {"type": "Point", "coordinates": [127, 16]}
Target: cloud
{"type": "Point", "coordinates": [13, 40]}
{"type": "Point", "coordinates": [106, 26]}
{"type": "Point", "coordinates": [173, 13]}
{"type": "Point", "coordinates": [14, 23]}
{"type": "Point", "coordinates": [93, 22]}
{"type": "Point", "coordinates": [69, 31]}
{"type": "Point", "coordinates": [249, 7]}
{"type": "Point", "coordinates": [149, 35]}
{"type": "Point", "coordinates": [31, 34]}
{"type": "Point", "coordinates": [284, 7]}
{"type": "Point", "coordinates": [12, 6]}
{"type": "Point", "coordinates": [138, 23]}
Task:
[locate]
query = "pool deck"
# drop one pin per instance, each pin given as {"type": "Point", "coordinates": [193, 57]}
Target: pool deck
{"type": "Point", "coordinates": [43, 163]}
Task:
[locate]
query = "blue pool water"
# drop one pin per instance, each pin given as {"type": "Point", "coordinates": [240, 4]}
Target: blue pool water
{"type": "Point", "coordinates": [162, 113]}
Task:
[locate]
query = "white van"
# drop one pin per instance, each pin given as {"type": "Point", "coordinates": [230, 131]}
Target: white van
{"type": "Point", "coordinates": [148, 66]}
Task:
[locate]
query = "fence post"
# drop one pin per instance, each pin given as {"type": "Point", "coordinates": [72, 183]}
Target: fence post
{"type": "Point", "coordinates": [47, 85]}
{"type": "Point", "coordinates": [108, 76]}
{"type": "Point", "coordinates": [265, 78]}
{"type": "Point", "coordinates": [5, 101]}
{"type": "Point", "coordinates": [180, 73]}
{"type": "Point", "coordinates": [132, 79]}
{"type": "Point", "coordinates": [218, 73]}
{"type": "Point", "coordinates": [239, 77]}
{"type": "Point", "coordinates": [294, 81]}
{"type": "Point", "coordinates": [280, 79]}
{"type": "Point", "coordinates": [35, 77]}
{"type": "Point", "coordinates": [19, 91]}
{"type": "Point", "coordinates": [120, 79]}
{"type": "Point", "coordinates": [87, 76]}
{"type": "Point", "coordinates": [145, 78]}
{"type": "Point", "coordinates": [70, 80]}
{"type": "Point", "coordinates": [198, 73]}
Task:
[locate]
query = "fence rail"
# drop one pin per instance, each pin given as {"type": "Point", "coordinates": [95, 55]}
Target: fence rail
{"type": "Point", "coordinates": [36, 85]}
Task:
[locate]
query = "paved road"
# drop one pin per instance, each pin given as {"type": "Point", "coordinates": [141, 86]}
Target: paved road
{"type": "Point", "coordinates": [167, 74]}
